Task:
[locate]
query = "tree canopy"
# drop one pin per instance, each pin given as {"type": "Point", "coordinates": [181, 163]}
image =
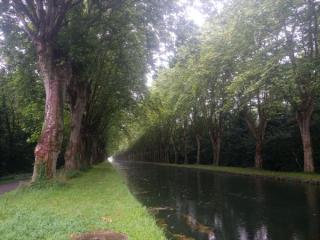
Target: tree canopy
{"type": "Point", "coordinates": [245, 86]}
{"type": "Point", "coordinates": [241, 90]}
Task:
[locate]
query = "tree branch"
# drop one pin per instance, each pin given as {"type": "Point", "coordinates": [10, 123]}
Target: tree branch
{"type": "Point", "coordinates": [23, 11]}
{"type": "Point", "coordinates": [26, 28]}
{"type": "Point", "coordinates": [41, 16]}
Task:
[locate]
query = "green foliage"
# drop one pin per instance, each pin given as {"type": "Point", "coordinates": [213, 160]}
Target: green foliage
{"type": "Point", "coordinates": [255, 61]}
{"type": "Point", "coordinates": [15, 152]}
{"type": "Point", "coordinates": [110, 45]}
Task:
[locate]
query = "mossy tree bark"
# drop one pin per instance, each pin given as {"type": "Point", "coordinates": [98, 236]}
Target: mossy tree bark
{"type": "Point", "coordinates": [78, 95]}
{"type": "Point", "coordinates": [304, 115]}
{"type": "Point", "coordinates": [55, 77]}
{"type": "Point", "coordinates": [215, 138]}
{"type": "Point", "coordinates": [42, 21]}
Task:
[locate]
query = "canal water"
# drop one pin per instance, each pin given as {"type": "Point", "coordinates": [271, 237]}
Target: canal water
{"type": "Point", "coordinates": [199, 204]}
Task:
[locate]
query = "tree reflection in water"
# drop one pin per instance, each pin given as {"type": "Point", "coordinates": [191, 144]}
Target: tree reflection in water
{"type": "Point", "coordinates": [202, 205]}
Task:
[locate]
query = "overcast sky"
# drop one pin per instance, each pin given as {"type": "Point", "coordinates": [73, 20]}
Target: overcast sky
{"type": "Point", "coordinates": [192, 13]}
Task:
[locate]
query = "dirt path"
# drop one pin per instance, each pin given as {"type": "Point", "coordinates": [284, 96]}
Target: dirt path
{"type": "Point", "coordinates": [6, 187]}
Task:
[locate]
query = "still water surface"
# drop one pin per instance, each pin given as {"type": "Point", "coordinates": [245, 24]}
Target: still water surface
{"type": "Point", "coordinates": [199, 204]}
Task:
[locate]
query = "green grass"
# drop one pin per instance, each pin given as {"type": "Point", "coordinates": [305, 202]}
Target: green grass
{"type": "Point", "coordinates": [285, 176]}
{"type": "Point", "coordinates": [97, 200]}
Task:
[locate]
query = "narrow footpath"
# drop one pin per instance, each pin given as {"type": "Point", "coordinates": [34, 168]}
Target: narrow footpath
{"type": "Point", "coordinates": [7, 187]}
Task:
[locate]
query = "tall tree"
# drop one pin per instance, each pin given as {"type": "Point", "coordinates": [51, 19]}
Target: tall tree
{"type": "Point", "coordinates": [84, 45]}
{"type": "Point", "coordinates": [214, 73]}
{"type": "Point", "coordinates": [42, 22]}
{"type": "Point", "coordinates": [303, 53]}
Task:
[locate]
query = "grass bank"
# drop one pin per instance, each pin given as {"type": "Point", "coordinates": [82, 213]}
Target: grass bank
{"type": "Point", "coordinates": [95, 200]}
{"type": "Point", "coordinates": [284, 176]}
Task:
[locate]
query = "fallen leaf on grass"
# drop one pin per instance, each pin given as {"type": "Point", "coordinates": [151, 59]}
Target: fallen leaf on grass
{"type": "Point", "coordinates": [107, 219]}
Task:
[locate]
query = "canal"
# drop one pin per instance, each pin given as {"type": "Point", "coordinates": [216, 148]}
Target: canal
{"type": "Point", "coordinates": [199, 204]}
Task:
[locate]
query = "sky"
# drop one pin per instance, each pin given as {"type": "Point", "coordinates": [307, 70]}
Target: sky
{"type": "Point", "coordinates": [192, 13]}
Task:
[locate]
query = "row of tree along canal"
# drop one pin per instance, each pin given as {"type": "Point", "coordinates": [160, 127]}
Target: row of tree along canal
{"type": "Point", "coordinates": [243, 93]}
{"type": "Point", "coordinates": [87, 57]}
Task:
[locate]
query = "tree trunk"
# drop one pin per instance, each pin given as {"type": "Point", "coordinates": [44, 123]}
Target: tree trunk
{"type": "Point", "coordinates": [198, 148]}
{"type": "Point", "coordinates": [55, 79]}
{"type": "Point", "coordinates": [98, 152]}
{"type": "Point", "coordinates": [216, 156]}
{"type": "Point", "coordinates": [186, 161]}
{"type": "Point", "coordinates": [77, 92]}
{"type": "Point", "coordinates": [167, 154]}
{"type": "Point", "coordinates": [94, 152]}
{"type": "Point", "coordinates": [258, 133]}
{"type": "Point", "coordinates": [215, 139]}
{"type": "Point", "coordinates": [185, 139]}
{"type": "Point", "coordinates": [175, 150]}
{"type": "Point", "coordinates": [176, 157]}
{"type": "Point", "coordinates": [258, 160]}
{"type": "Point", "coordinates": [304, 122]}
{"type": "Point", "coordinates": [160, 154]}
{"type": "Point", "coordinates": [84, 149]}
